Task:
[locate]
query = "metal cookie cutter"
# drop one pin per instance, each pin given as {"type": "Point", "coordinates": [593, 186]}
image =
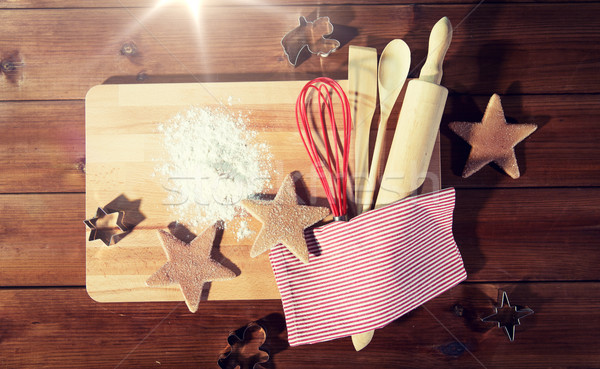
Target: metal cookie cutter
{"type": "Point", "coordinates": [507, 317]}
{"type": "Point", "coordinates": [103, 229]}
{"type": "Point", "coordinates": [244, 348]}
{"type": "Point", "coordinates": [310, 35]}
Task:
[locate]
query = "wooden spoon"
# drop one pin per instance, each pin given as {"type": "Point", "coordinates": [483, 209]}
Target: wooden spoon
{"type": "Point", "coordinates": [393, 70]}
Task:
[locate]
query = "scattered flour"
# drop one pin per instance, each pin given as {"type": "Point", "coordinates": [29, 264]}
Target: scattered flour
{"type": "Point", "coordinates": [213, 160]}
{"type": "Point", "coordinates": [243, 231]}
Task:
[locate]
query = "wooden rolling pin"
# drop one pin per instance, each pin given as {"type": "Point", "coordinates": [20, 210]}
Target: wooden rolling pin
{"type": "Point", "coordinates": [418, 124]}
{"type": "Point", "coordinates": [415, 133]}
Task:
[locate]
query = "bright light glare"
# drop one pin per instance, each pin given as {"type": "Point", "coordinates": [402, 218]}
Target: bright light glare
{"type": "Point", "coordinates": [193, 5]}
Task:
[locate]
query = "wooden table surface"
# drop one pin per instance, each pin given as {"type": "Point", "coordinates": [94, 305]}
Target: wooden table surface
{"type": "Point", "coordinates": [537, 237]}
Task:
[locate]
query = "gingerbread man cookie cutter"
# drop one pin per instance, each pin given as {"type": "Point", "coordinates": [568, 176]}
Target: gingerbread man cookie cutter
{"type": "Point", "coordinates": [309, 35]}
{"type": "Point", "coordinates": [245, 349]}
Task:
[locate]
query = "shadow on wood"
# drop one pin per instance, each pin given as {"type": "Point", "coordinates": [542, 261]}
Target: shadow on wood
{"type": "Point", "coordinates": [276, 341]}
{"type": "Point", "coordinates": [132, 216]}
{"type": "Point", "coordinates": [143, 77]}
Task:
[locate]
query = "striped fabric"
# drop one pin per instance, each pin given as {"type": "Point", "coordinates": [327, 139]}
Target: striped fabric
{"type": "Point", "coordinates": [365, 273]}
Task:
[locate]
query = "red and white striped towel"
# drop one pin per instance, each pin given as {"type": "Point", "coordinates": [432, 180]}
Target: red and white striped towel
{"type": "Point", "coordinates": [369, 271]}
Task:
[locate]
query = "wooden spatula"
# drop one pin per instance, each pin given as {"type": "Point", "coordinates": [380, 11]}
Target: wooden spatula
{"type": "Point", "coordinates": [362, 93]}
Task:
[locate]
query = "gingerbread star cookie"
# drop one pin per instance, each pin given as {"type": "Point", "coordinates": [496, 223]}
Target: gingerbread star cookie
{"type": "Point", "coordinates": [189, 265]}
{"type": "Point", "coordinates": [284, 221]}
{"type": "Point", "coordinates": [492, 140]}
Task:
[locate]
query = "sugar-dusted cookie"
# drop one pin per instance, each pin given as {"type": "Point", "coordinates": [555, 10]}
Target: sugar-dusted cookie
{"type": "Point", "coordinates": [492, 140]}
{"type": "Point", "coordinates": [284, 221]}
{"type": "Point", "coordinates": [189, 265]}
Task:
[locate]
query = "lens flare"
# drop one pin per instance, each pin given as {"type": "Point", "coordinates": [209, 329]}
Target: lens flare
{"type": "Point", "coordinates": [193, 5]}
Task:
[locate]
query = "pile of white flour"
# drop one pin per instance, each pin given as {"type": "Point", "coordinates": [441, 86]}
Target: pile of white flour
{"type": "Point", "coordinates": [212, 162]}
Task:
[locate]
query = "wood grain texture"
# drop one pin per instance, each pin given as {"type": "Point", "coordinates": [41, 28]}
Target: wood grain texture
{"type": "Point", "coordinates": [48, 137]}
{"type": "Point", "coordinates": [562, 152]}
{"type": "Point", "coordinates": [540, 56]}
{"type": "Point", "coordinates": [446, 332]}
{"type": "Point", "coordinates": [509, 235]}
{"type": "Point", "coordinates": [42, 147]}
{"type": "Point", "coordinates": [71, 50]}
{"type": "Point", "coordinates": [36, 4]}
{"type": "Point", "coordinates": [533, 234]}
{"type": "Point", "coordinates": [41, 240]}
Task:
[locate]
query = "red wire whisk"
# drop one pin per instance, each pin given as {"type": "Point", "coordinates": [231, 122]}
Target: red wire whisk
{"type": "Point", "coordinates": [315, 107]}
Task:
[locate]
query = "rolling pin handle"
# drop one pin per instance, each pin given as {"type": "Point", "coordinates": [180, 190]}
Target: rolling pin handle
{"type": "Point", "coordinates": [439, 42]}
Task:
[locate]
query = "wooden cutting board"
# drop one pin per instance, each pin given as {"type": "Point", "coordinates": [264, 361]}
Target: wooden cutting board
{"type": "Point", "coordinates": [122, 149]}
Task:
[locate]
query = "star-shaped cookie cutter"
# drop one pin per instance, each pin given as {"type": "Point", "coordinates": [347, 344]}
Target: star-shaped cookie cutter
{"type": "Point", "coordinates": [108, 235]}
{"type": "Point", "coordinates": [244, 349]}
{"type": "Point", "coordinates": [507, 317]}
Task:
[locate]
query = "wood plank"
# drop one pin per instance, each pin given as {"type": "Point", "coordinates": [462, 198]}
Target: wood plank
{"type": "Point", "coordinates": [562, 152]}
{"type": "Point", "coordinates": [57, 328]}
{"type": "Point", "coordinates": [37, 4]}
{"type": "Point", "coordinates": [42, 146]}
{"type": "Point", "coordinates": [48, 137]}
{"type": "Point", "coordinates": [41, 240]}
{"type": "Point", "coordinates": [508, 234]}
{"type": "Point", "coordinates": [546, 49]}
{"type": "Point", "coordinates": [529, 234]}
